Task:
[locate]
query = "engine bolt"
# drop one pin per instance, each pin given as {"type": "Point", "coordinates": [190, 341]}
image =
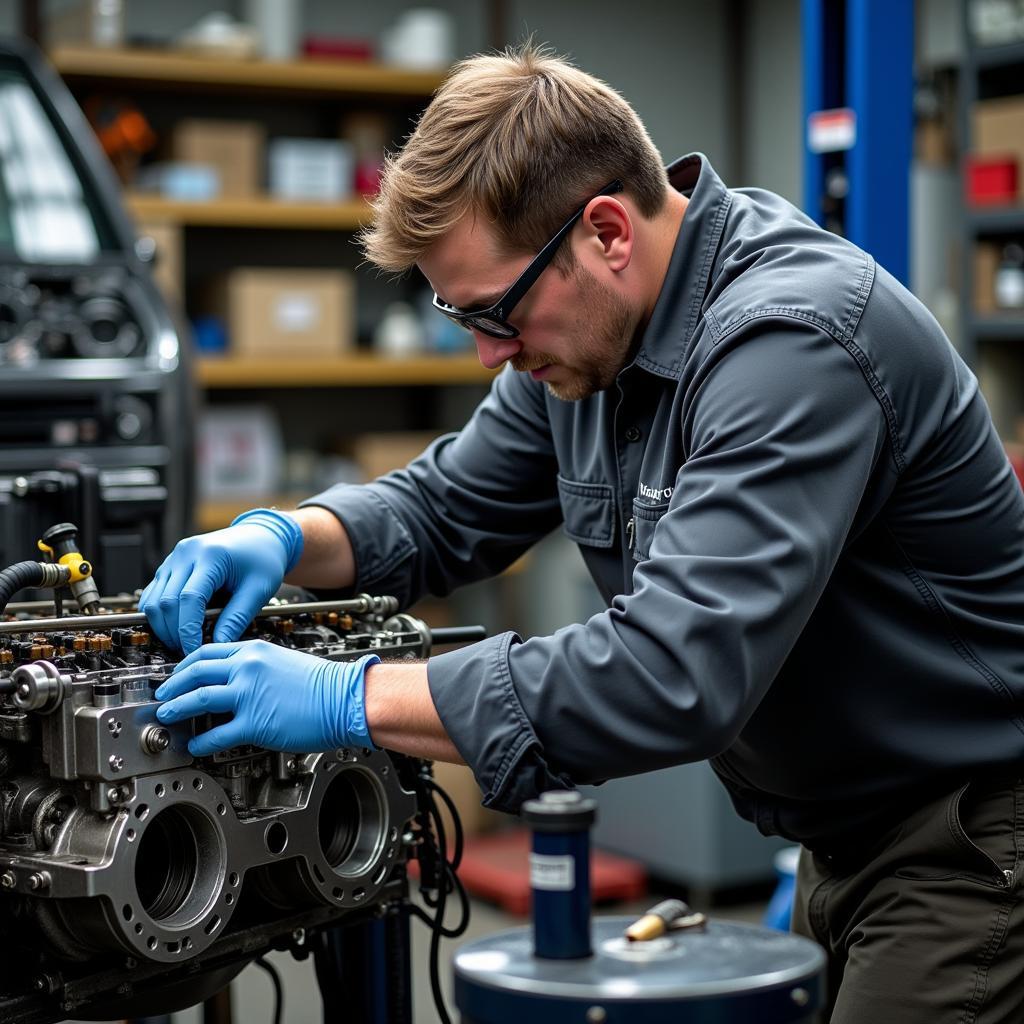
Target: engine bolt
{"type": "Point", "coordinates": [47, 982]}
{"type": "Point", "coordinates": [155, 739]}
{"type": "Point", "coordinates": [299, 936]}
{"type": "Point", "coordinates": [116, 762]}
{"type": "Point", "coordinates": [24, 690]}
{"type": "Point", "coordinates": [114, 726]}
{"type": "Point", "coordinates": [8, 880]}
{"type": "Point", "coordinates": [38, 880]}
{"type": "Point", "coordinates": [113, 795]}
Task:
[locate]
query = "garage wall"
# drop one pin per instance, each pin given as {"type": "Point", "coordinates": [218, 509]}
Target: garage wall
{"type": "Point", "coordinates": [771, 107]}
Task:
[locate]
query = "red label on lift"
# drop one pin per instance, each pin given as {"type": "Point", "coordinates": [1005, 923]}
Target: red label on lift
{"type": "Point", "coordinates": [830, 131]}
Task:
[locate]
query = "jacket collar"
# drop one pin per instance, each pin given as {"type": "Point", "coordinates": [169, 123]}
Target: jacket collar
{"type": "Point", "coordinates": [678, 309]}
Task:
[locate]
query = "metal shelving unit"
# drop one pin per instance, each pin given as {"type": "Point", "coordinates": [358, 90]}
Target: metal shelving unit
{"type": "Point", "coordinates": [982, 66]}
{"type": "Point", "coordinates": [180, 83]}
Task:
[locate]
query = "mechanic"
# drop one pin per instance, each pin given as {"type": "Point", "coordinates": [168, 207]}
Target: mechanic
{"type": "Point", "coordinates": [780, 474]}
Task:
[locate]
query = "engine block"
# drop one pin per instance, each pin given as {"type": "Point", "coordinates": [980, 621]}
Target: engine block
{"type": "Point", "coordinates": [118, 848]}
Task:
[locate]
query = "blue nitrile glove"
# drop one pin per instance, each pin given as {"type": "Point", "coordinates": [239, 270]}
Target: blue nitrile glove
{"type": "Point", "coordinates": [250, 558]}
{"type": "Point", "coordinates": [281, 699]}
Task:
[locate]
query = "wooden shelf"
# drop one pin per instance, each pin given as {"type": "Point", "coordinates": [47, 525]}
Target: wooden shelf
{"type": "Point", "coordinates": [358, 370]}
{"type": "Point", "coordinates": [257, 212]}
{"type": "Point", "coordinates": [160, 69]}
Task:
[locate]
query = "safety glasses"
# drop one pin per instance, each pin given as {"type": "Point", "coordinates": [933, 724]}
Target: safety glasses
{"type": "Point", "coordinates": [493, 321]}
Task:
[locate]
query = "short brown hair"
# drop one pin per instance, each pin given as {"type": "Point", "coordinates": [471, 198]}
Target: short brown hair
{"type": "Point", "coordinates": [521, 138]}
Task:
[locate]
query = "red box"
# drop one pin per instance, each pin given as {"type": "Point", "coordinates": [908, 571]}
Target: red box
{"type": "Point", "coordinates": [991, 180]}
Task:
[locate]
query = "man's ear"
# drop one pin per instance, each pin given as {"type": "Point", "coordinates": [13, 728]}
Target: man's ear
{"type": "Point", "coordinates": [610, 229]}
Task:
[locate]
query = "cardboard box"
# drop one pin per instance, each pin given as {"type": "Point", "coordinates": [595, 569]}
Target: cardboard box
{"type": "Point", "coordinates": [933, 143]}
{"type": "Point", "coordinates": [234, 149]}
{"type": "Point", "coordinates": [986, 261]}
{"type": "Point", "coordinates": [286, 313]}
{"type": "Point", "coordinates": [997, 129]}
{"type": "Point", "coordinates": [378, 454]}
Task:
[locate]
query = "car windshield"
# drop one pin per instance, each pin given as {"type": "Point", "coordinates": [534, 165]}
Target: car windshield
{"type": "Point", "coordinates": [45, 215]}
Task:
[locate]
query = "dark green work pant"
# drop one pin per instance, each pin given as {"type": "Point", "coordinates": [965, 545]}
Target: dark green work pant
{"type": "Point", "coordinates": [929, 927]}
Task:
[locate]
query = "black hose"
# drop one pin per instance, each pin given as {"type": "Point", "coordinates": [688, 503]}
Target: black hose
{"type": "Point", "coordinates": [18, 576]}
{"type": "Point", "coordinates": [275, 979]}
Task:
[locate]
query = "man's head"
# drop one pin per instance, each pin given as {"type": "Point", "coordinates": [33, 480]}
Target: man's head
{"type": "Point", "coordinates": [513, 149]}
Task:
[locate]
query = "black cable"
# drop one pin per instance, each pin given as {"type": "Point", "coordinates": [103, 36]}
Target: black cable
{"type": "Point", "coordinates": [278, 989]}
{"type": "Point", "coordinates": [450, 881]}
{"type": "Point", "coordinates": [456, 820]}
{"type": "Point", "coordinates": [435, 932]}
{"type": "Point", "coordinates": [438, 877]}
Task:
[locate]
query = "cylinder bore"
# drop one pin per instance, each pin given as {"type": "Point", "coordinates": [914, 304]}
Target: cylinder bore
{"type": "Point", "coordinates": [353, 822]}
{"type": "Point", "coordinates": [178, 866]}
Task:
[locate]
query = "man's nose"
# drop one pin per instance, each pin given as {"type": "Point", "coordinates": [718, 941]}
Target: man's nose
{"type": "Point", "coordinates": [495, 351]}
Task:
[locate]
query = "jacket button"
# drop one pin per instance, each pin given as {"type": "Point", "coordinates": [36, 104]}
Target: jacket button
{"type": "Point", "coordinates": [633, 434]}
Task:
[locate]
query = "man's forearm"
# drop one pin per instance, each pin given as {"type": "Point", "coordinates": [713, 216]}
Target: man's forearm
{"type": "Point", "coordinates": [327, 558]}
{"type": "Point", "coordinates": [400, 712]}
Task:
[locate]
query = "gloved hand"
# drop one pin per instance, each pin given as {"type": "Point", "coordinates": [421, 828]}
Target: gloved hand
{"type": "Point", "coordinates": [281, 698]}
{"type": "Point", "coordinates": [250, 558]}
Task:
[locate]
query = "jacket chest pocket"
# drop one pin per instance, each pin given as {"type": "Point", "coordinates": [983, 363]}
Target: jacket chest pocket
{"type": "Point", "coordinates": [588, 511]}
{"type": "Point", "coordinates": [645, 520]}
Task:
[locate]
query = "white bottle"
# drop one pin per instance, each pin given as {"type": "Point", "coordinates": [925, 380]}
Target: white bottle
{"type": "Point", "coordinates": [1009, 283]}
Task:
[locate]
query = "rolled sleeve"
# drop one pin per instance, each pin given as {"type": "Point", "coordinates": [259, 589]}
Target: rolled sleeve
{"type": "Point", "coordinates": [477, 702]}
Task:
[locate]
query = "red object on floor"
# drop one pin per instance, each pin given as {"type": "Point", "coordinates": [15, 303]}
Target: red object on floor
{"type": "Point", "coordinates": [497, 868]}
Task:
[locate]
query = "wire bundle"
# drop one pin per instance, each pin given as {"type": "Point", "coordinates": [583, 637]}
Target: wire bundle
{"type": "Point", "coordinates": [438, 878]}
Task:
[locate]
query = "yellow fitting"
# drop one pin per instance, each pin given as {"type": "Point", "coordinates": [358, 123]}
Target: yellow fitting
{"type": "Point", "coordinates": [80, 568]}
{"type": "Point", "coordinates": [45, 548]}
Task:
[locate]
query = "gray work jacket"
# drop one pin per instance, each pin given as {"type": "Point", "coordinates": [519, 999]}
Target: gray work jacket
{"type": "Point", "coordinates": [794, 502]}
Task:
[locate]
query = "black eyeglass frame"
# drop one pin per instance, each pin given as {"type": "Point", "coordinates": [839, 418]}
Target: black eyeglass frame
{"type": "Point", "coordinates": [493, 320]}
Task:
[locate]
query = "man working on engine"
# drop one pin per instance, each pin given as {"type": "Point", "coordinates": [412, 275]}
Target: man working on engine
{"type": "Point", "coordinates": [784, 482]}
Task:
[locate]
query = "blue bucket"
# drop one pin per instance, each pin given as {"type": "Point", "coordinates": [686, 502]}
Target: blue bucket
{"type": "Point", "coordinates": [779, 912]}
